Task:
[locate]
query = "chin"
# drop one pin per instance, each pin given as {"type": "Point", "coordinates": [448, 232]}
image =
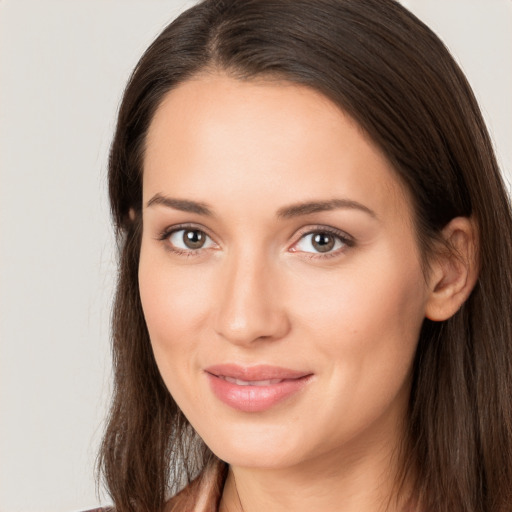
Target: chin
{"type": "Point", "coordinates": [257, 447]}
{"type": "Point", "coordinates": [257, 459]}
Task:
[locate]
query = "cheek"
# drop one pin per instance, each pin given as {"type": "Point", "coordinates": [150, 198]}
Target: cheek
{"type": "Point", "coordinates": [175, 297]}
{"type": "Point", "coordinates": [170, 302]}
{"type": "Point", "coordinates": [366, 320]}
{"type": "Point", "coordinates": [175, 305]}
{"type": "Point", "coordinates": [364, 327]}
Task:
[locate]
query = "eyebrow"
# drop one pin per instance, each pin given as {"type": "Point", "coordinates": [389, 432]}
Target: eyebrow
{"type": "Point", "coordinates": [287, 212]}
{"type": "Point", "coordinates": [299, 209]}
{"type": "Point", "coordinates": [184, 205]}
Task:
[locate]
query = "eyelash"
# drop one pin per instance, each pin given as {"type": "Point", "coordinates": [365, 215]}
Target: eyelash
{"type": "Point", "coordinates": [346, 240]}
{"type": "Point", "coordinates": [164, 237]}
{"type": "Point", "coordinates": [343, 237]}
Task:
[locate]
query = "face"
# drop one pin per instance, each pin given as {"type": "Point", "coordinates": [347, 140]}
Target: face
{"type": "Point", "coordinates": [279, 273]}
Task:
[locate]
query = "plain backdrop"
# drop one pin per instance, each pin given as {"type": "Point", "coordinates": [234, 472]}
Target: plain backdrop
{"type": "Point", "coordinates": [63, 66]}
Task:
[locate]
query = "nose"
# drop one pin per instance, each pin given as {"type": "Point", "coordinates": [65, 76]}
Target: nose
{"type": "Point", "coordinates": [250, 306]}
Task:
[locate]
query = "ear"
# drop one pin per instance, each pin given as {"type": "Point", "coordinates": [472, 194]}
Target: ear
{"type": "Point", "coordinates": [453, 269]}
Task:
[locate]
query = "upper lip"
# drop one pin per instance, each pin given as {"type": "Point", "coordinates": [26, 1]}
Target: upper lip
{"type": "Point", "coordinates": [255, 373]}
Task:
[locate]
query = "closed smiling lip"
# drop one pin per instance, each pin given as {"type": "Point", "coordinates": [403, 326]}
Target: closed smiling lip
{"type": "Point", "coordinates": [255, 388]}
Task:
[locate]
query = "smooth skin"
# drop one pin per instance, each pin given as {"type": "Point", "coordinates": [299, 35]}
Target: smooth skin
{"type": "Point", "coordinates": [235, 269]}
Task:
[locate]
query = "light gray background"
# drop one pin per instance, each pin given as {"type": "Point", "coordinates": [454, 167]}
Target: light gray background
{"type": "Point", "coordinates": [63, 65]}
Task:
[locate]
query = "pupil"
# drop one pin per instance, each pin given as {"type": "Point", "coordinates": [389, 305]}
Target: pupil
{"type": "Point", "coordinates": [193, 239]}
{"type": "Point", "coordinates": [323, 242]}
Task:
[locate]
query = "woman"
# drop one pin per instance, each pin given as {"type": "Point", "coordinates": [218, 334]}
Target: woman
{"type": "Point", "coordinates": [313, 307]}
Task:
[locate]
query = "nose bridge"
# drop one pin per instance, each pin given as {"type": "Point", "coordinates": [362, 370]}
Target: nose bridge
{"type": "Point", "coordinates": [249, 308]}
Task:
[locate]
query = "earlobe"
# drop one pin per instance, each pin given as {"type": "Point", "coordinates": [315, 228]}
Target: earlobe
{"type": "Point", "coordinates": [454, 270]}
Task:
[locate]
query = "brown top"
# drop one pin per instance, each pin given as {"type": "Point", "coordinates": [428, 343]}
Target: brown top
{"type": "Point", "coordinates": [204, 493]}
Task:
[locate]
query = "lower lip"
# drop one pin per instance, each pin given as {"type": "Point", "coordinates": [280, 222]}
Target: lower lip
{"type": "Point", "coordinates": [255, 398]}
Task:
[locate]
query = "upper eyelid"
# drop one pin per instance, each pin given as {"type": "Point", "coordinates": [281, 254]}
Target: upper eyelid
{"type": "Point", "coordinates": [325, 229]}
{"type": "Point", "coordinates": [166, 232]}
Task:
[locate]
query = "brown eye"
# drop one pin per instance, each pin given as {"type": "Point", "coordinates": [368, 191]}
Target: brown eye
{"type": "Point", "coordinates": [188, 239]}
{"type": "Point", "coordinates": [193, 238]}
{"type": "Point", "coordinates": [323, 242]}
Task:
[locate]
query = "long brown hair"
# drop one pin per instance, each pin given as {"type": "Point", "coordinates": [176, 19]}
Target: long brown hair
{"type": "Point", "coordinates": [388, 71]}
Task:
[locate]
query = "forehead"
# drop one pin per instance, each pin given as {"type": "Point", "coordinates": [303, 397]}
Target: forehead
{"type": "Point", "coordinates": [218, 138]}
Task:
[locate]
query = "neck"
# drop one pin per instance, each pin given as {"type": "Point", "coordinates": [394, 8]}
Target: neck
{"type": "Point", "coordinates": [358, 480]}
